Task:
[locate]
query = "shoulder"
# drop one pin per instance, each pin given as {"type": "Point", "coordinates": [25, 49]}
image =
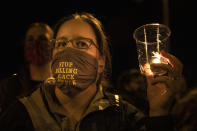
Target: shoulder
{"type": "Point", "coordinates": [109, 119]}
{"type": "Point", "coordinates": [114, 117]}
{"type": "Point", "coordinates": [15, 117]}
{"type": "Point", "coordinates": [10, 83]}
{"type": "Point", "coordinates": [9, 88]}
{"type": "Point", "coordinates": [7, 80]}
{"type": "Point", "coordinates": [15, 79]}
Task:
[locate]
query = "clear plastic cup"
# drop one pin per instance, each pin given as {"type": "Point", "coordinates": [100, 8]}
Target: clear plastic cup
{"type": "Point", "coordinates": [151, 39]}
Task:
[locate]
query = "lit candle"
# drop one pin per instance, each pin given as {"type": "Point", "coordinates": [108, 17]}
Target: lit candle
{"type": "Point", "coordinates": [156, 57]}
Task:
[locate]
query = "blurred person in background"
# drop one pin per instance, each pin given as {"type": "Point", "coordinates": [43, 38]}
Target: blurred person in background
{"type": "Point", "coordinates": [185, 112]}
{"type": "Point", "coordinates": [38, 54]}
{"type": "Point", "coordinates": [131, 85]}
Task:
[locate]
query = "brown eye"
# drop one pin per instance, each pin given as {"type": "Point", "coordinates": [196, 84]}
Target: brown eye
{"type": "Point", "coordinates": [81, 44]}
{"type": "Point", "coordinates": [60, 44]}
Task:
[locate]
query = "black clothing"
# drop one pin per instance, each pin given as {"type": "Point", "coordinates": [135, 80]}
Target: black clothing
{"type": "Point", "coordinates": [16, 118]}
{"type": "Point", "coordinates": [117, 116]}
{"type": "Point", "coordinates": [16, 86]}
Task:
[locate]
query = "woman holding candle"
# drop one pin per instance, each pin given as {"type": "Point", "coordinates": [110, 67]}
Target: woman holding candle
{"type": "Point", "coordinates": [80, 103]}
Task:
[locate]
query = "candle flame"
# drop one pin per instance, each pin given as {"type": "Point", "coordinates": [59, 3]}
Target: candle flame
{"type": "Point", "coordinates": [157, 57]}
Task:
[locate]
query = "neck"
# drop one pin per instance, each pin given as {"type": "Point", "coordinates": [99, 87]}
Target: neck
{"type": "Point", "coordinates": [40, 73]}
{"type": "Point", "coordinates": [75, 106]}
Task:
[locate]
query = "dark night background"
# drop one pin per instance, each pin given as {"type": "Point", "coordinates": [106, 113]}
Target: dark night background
{"type": "Point", "coordinates": [119, 19]}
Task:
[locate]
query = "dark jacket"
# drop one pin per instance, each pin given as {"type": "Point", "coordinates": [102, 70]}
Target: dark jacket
{"type": "Point", "coordinates": [16, 86]}
{"type": "Point", "coordinates": [116, 115]}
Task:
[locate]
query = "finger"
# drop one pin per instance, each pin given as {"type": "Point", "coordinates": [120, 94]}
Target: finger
{"type": "Point", "coordinates": [166, 69]}
{"type": "Point", "coordinates": [175, 62]}
{"type": "Point", "coordinates": [177, 65]}
{"type": "Point", "coordinates": [161, 66]}
{"type": "Point", "coordinates": [160, 79]}
{"type": "Point", "coordinates": [149, 79]}
{"type": "Point", "coordinates": [170, 84]}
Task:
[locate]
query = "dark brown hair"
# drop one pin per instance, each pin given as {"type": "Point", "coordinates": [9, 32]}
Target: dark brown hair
{"type": "Point", "coordinates": [41, 25]}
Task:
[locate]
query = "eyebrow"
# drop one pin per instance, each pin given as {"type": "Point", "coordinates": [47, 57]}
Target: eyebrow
{"type": "Point", "coordinates": [78, 37]}
{"type": "Point", "coordinates": [63, 38]}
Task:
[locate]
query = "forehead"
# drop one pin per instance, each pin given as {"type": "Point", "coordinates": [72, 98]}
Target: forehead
{"type": "Point", "coordinates": [76, 28]}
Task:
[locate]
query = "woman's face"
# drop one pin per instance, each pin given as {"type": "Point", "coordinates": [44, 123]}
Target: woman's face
{"type": "Point", "coordinates": [74, 29]}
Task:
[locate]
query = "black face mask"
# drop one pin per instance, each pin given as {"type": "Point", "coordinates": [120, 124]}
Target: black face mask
{"type": "Point", "coordinates": [74, 70]}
